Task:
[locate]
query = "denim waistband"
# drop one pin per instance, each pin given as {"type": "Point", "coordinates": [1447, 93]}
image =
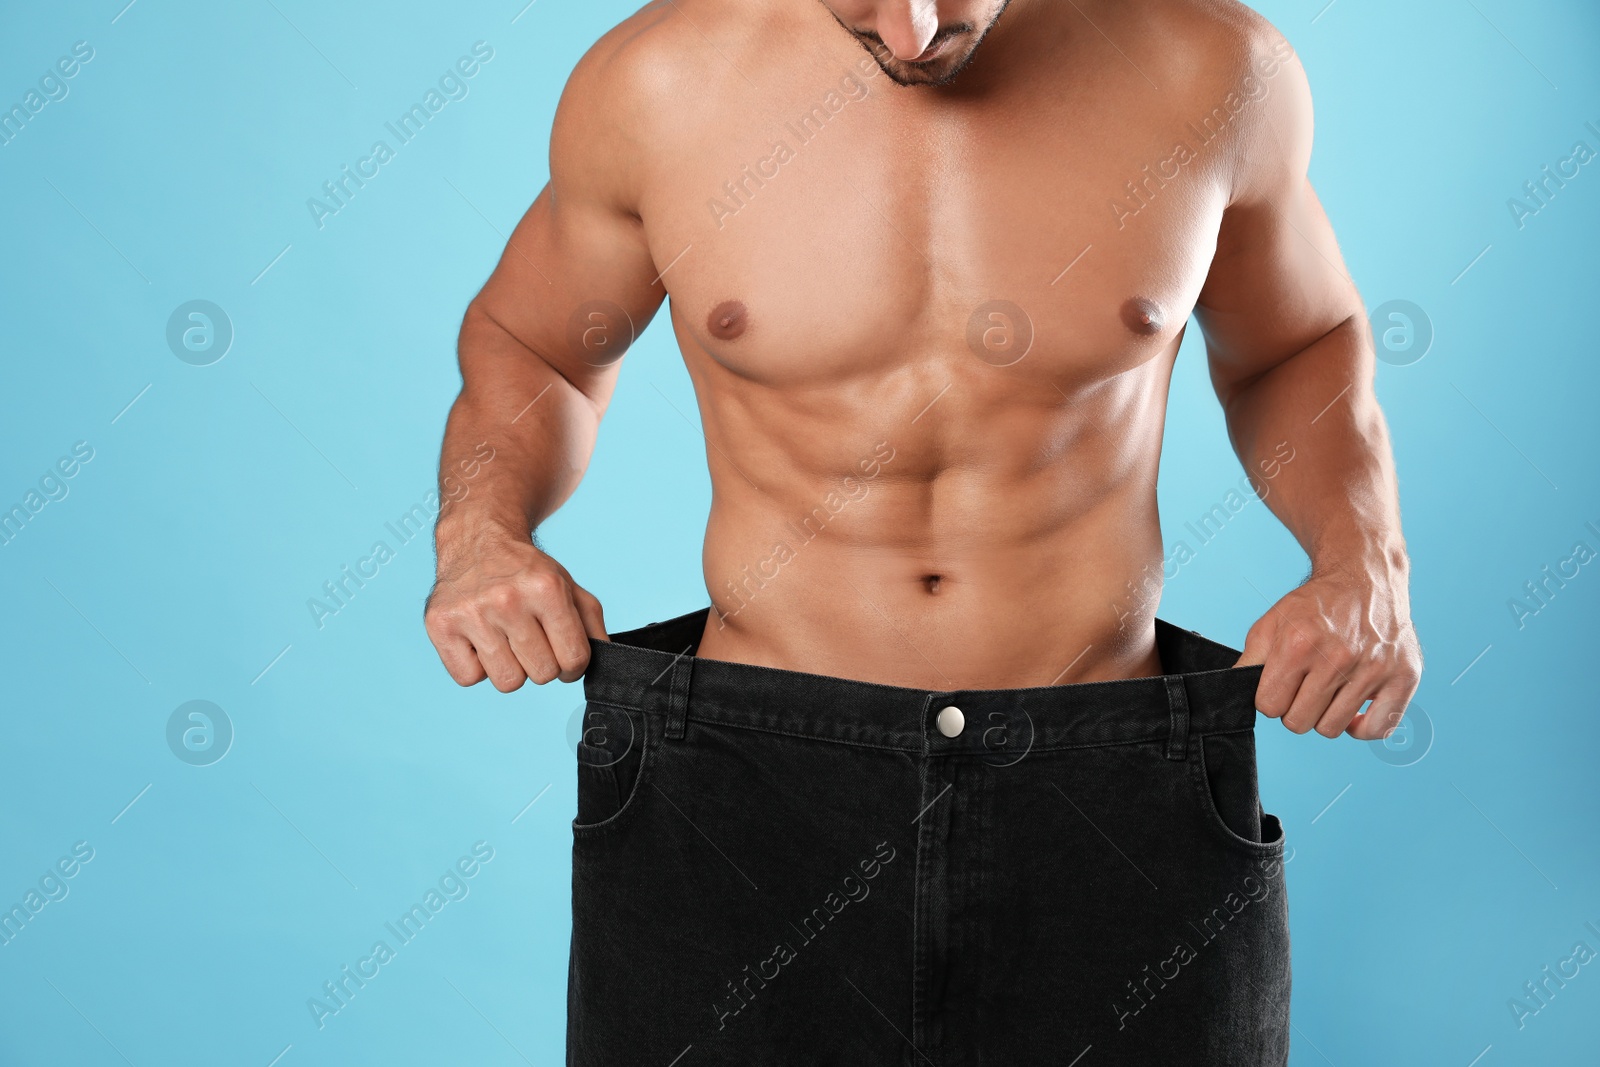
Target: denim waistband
{"type": "Point", "coordinates": [653, 669]}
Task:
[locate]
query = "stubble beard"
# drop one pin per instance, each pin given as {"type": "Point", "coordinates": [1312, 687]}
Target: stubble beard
{"type": "Point", "coordinates": [913, 74]}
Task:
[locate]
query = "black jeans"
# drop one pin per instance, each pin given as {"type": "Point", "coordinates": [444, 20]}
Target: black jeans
{"type": "Point", "coordinates": [771, 867]}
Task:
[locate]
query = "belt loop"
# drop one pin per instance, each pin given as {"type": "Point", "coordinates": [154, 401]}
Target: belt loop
{"type": "Point", "coordinates": [1178, 707]}
{"type": "Point", "coordinates": [678, 696]}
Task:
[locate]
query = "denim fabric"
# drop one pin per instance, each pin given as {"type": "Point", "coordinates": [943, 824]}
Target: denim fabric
{"type": "Point", "coordinates": [771, 867]}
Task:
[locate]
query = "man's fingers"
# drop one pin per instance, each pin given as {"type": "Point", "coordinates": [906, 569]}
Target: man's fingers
{"type": "Point", "coordinates": [1342, 710]}
{"type": "Point", "coordinates": [1380, 720]}
{"type": "Point", "coordinates": [1322, 661]}
{"type": "Point", "coordinates": [1311, 701]}
{"type": "Point", "coordinates": [538, 618]}
{"type": "Point", "coordinates": [588, 605]}
{"type": "Point", "coordinates": [1282, 678]}
{"type": "Point", "coordinates": [532, 649]}
{"type": "Point", "coordinates": [1258, 642]}
{"type": "Point", "coordinates": [565, 630]}
{"type": "Point", "coordinates": [456, 653]}
{"type": "Point", "coordinates": [494, 652]}
{"type": "Point", "coordinates": [514, 614]}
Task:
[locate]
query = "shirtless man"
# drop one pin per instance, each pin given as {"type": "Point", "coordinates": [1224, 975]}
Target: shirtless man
{"type": "Point", "coordinates": [930, 263]}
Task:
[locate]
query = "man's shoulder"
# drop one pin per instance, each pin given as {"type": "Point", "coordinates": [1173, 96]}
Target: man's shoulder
{"type": "Point", "coordinates": [663, 55]}
{"type": "Point", "coordinates": [631, 92]}
{"type": "Point", "coordinates": [1235, 75]}
{"type": "Point", "coordinates": [1214, 45]}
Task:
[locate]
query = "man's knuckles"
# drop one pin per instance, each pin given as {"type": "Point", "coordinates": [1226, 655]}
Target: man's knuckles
{"type": "Point", "coordinates": [1297, 645]}
{"type": "Point", "coordinates": [543, 587]}
{"type": "Point", "coordinates": [1274, 698]}
{"type": "Point", "coordinates": [1343, 657]}
{"type": "Point", "coordinates": [446, 619]}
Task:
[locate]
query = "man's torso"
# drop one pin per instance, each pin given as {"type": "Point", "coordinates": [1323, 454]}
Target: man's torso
{"type": "Point", "coordinates": [931, 332]}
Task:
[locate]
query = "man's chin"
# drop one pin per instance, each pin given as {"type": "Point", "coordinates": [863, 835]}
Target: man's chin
{"type": "Point", "coordinates": [940, 71]}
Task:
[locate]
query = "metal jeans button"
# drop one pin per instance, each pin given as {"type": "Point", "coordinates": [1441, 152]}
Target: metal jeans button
{"type": "Point", "coordinates": [951, 721]}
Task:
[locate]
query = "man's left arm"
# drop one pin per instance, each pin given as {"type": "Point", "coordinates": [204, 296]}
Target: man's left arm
{"type": "Point", "coordinates": [1292, 362]}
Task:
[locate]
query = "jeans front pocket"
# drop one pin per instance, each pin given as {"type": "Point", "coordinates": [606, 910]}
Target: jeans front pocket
{"type": "Point", "coordinates": [1222, 767]}
{"type": "Point", "coordinates": [613, 757]}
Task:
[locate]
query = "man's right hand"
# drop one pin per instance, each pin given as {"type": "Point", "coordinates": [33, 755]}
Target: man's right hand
{"type": "Point", "coordinates": [540, 350]}
{"type": "Point", "coordinates": [505, 611]}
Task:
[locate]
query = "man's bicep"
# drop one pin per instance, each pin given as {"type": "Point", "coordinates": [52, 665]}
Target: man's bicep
{"type": "Point", "coordinates": [1277, 281]}
{"type": "Point", "coordinates": [576, 282]}
{"type": "Point", "coordinates": [575, 285]}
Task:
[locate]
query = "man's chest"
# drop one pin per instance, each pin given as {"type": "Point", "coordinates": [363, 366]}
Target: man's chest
{"type": "Point", "coordinates": [826, 230]}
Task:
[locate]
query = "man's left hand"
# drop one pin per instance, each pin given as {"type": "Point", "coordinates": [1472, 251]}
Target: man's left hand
{"type": "Point", "coordinates": [1328, 647]}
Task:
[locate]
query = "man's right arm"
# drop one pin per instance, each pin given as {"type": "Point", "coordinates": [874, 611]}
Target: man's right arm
{"type": "Point", "coordinates": [539, 350]}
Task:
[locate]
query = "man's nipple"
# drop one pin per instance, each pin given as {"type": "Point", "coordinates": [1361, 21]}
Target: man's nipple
{"type": "Point", "coordinates": [1143, 316]}
{"type": "Point", "coordinates": [727, 320]}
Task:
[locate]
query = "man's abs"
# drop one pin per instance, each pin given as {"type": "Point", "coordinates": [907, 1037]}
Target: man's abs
{"type": "Point", "coordinates": [975, 543]}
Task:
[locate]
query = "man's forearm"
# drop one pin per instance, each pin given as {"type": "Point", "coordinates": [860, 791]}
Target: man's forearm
{"type": "Point", "coordinates": [541, 427]}
{"type": "Point", "coordinates": [1339, 495]}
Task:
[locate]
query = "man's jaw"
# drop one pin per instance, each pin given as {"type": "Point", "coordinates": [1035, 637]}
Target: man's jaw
{"type": "Point", "coordinates": [937, 63]}
{"type": "Point", "coordinates": [949, 51]}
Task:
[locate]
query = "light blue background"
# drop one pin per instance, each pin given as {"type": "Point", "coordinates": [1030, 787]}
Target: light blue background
{"type": "Point", "coordinates": [179, 565]}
